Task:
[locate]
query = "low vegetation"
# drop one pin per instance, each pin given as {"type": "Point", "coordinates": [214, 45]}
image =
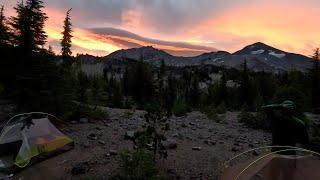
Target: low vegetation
{"type": "Point", "coordinates": [254, 120]}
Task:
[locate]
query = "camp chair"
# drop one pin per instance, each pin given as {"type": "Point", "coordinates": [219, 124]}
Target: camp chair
{"type": "Point", "coordinates": [274, 166]}
{"type": "Point", "coordinates": [28, 138]}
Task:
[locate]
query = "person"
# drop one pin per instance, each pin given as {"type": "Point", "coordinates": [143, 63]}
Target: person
{"type": "Point", "coordinates": [287, 126]}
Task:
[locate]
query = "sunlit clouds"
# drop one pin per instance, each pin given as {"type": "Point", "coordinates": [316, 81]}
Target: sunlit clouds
{"type": "Point", "coordinates": [183, 27]}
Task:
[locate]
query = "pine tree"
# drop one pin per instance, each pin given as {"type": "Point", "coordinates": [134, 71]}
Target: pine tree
{"type": "Point", "coordinates": [66, 39]}
{"type": "Point", "coordinates": [244, 85]}
{"type": "Point", "coordinates": [223, 90]}
{"type": "Point", "coordinates": [4, 30]}
{"type": "Point", "coordinates": [315, 78]}
{"type": "Point", "coordinates": [29, 26]}
{"type": "Point", "coordinates": [38, 18]}
{"type": "Point", "coordinates": [50, 51]}
{"type": "Point", "coordinates": [23, 38]}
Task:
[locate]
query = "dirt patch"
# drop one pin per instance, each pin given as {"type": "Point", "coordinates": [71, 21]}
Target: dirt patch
{"type": "Point", "coordinates": [215, 143]}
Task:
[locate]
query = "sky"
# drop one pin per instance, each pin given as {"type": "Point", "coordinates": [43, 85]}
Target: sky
{"type": "Point", "coordinates": [183, 27]}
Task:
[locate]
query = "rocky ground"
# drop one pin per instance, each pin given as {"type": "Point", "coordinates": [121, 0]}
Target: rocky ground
{"type": "Point", "coordinates": [202, 146]}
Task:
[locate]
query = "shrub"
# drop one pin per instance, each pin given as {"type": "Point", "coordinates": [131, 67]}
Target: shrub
{"type": "Point", "coordinates": [86, 111]}
{"type": "Point", "coordinates": [255, 121]}
{"type": "Point", "coordinates": [180, 108]}
{"type": "Point", "coordinates": [152, 107]}
{"type": "Point", "coordinates": [137, 165]}
{"type": "Point", "coordinates": [214, 112]}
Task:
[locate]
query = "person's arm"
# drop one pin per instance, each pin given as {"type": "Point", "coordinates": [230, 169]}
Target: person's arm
{"type": "Point", "coordinates": [278, 106]}
{"type": "Point", "coordinates": [267, 107]}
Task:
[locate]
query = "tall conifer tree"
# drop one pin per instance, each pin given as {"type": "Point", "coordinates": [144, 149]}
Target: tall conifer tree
{"type": "Point", "coordinates": [4, 30]}
{"type": "Point", "coordinates": [66, 39]}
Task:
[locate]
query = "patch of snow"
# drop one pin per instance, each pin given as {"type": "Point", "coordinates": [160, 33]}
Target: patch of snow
{"type": "Point", "coordinates": [278, 55]}
{"type": "Point", "coordinates": [221, 62]}
{"type": "Point", "coordinates": [251, 47]}
{"type": "Point", "coordinates": [257, 52]}
{"type": "Point", "coordinates": [266, 59]}
{"type": "Point", "coordinates": [216, 59]}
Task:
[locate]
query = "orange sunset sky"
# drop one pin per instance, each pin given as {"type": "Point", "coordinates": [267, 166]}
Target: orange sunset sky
{"type": "Point", "coordinates": [183, 27]}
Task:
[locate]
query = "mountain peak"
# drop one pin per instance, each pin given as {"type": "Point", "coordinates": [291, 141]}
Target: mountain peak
{"type": "Point", "coordinates": [258, 48]}
{"type": "Point", "coordinates": [144, 52]}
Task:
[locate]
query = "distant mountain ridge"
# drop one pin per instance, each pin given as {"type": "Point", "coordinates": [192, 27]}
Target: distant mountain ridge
{"type": "Point", "coordinates": [259, 56]}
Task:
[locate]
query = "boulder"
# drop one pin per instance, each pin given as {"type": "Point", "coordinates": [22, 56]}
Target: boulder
{"type": "Point", "coordinates": [129, 135]}
{"type": "Point", "coordinates": [169, 144]}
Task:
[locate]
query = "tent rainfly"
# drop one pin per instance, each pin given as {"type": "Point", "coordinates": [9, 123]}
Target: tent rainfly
{"type": "Point", "coordinates": [28, 138]}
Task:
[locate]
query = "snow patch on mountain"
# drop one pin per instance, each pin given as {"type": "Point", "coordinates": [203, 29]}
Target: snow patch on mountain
{"type": "Point", "coordinates": [257, 52]}
{"type": "Point", "coordinates": [278, 55]}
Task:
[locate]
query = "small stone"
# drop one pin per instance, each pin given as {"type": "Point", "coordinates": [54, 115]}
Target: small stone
{"type": "Point", "coordinates": [92, 136]}
{"type": "Point", "coordinates": [102, 142]}
{"type": "Point", "coordinates": [113, 152]}
{"type": "Point", "coordinates": [83, 120]}
{"type": "Point", "coordinates": [129, 135]}
{"type": "Point", "coordinates": [192, 124]}
{"type": "Point", "coordinates": [196, 148]}
{"type": "Point", "coordinates": [10, 175]}
{"type": "Point", "coordinates": [73, 122]}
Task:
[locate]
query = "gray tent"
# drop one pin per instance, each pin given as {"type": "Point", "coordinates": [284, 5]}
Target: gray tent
{"type": "Point", "coordinates": [29, 137]}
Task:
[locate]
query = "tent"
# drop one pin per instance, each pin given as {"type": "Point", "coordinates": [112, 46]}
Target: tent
{"type": "Point", "coordinates": [28, 138]}
{"type": "Point", "coordinates": [275, 166]}
{"type": "Point", "coordinates": [305, 165]}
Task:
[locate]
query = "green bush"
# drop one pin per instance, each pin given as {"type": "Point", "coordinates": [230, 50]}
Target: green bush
{"type": "Point", "coordinates": [214, 112]}
{"type": "Point", "coordinates": [255, 121]}
{"type": "Point", "coordinates": [180, 108]}
{"type": "Point", "coordinates": [137, 165]}
{"type": "Point", "coordinates": [86, 111]}
{"type": "Point", "coordinates": [152, 107]}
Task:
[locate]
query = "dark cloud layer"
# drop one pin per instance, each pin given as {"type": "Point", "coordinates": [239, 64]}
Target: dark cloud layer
{"type": "Point", "coordinates": [164, 16]}
{"type": "Point", "coordinates": [126, 34]}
